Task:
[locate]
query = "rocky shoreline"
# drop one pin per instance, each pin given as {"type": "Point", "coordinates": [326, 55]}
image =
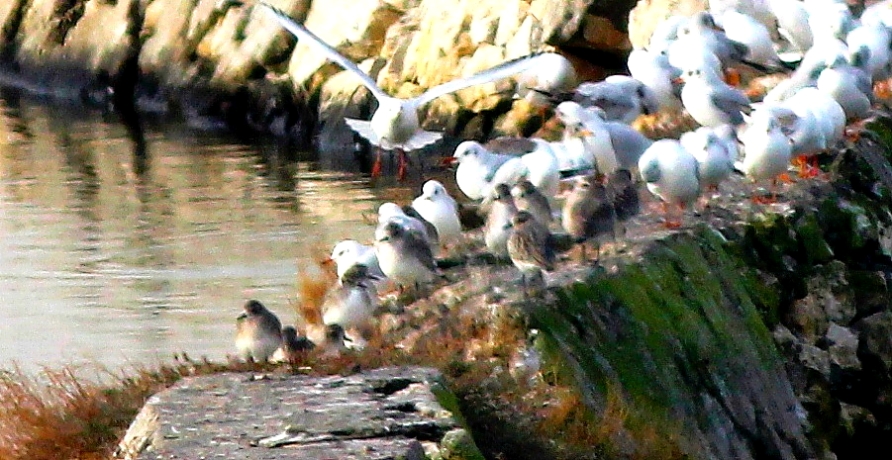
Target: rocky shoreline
{"type": "Point", "coordinates": [757, 332]}
{"type": "Point", "coordinates": [212, 63]}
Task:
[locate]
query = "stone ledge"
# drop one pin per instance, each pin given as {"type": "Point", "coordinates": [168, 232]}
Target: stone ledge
{"type": "Point", "coordinates": [388, 413]}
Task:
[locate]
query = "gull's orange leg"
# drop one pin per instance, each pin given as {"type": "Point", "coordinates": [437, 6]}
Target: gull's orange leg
{"type": "Point", "coordinates": [376, 168]}
{"type": "Point", "coordinates": [403, 169]}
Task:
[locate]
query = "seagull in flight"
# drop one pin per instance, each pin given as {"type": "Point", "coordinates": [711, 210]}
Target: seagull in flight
{"type": "Point", "coordinates": [394, 125]}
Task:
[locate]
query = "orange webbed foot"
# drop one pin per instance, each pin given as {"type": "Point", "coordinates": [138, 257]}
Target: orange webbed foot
{"type": "Point", "coordinates": [732, 77]}
{"type": "Point", "coordinates": [785, 178]}
{"type": "Point", "coordinates": [765, 199]}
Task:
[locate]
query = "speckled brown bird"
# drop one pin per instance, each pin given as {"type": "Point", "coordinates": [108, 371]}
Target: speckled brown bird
{"type": "Point", "coordinates": [498, 221]}
{"type": "Point", "coordinates": [588, 214]}
{"type": "Point", "coordinates": [258, 332]}
{"type": "Point", "coordinates": [528, 198]}
{"type": "Point", "coordinates": [626, 201]}
{"type": "Point", "coordinates": [530, 246]}
{"type": "Point", "coordinates": [293, 346]}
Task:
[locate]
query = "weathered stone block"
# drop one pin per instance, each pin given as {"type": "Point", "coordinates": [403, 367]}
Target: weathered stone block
{"type": "Point", "coordinates": [380, 414]}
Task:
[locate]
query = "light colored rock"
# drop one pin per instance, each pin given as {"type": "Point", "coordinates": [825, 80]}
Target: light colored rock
{"type": "Point", "coordinates": [8, 10]}
{"type": "Point", "coordinates": [643, 19]}
{"type": "Point", "coordinates": [247, 40]}
{"type": "Point", "coordinates": [559, 20]}
{"type": "Point", "coordinates": [357, 35]}
{"type": "Point", "coordinates": [816, 359]}
{"type": "Point", "coordinates": [875, 344]}
{"type": "Point", "coordinates": [97, 42]}
{"type": "Point", "coordinates": [165, 26]}
{"type": "Point", "coordinates": [843, 347]}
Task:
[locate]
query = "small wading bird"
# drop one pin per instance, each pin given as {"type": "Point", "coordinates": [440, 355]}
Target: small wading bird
{"type": "Point", "coordinates": [258, 332]}
{"type": "Point", "coordinates": [395, 125]}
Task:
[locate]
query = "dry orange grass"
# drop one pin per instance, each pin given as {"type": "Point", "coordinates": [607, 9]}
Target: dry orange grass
{"type": "Point", "coordinates": [59, 415]}
{"type": "Point", "coordinates": [313, 282]}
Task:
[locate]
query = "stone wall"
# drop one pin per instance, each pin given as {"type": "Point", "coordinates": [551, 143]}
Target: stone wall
{"type": "Point", "coordinates": [207, 58]}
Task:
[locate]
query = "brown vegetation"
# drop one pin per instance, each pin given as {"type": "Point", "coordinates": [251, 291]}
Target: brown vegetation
{"type": "Point", "coordinates": [58, 415]}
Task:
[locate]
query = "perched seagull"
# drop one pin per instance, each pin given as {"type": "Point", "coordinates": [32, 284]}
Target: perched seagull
{"type": "Point", "coordinates": [530, 247]}
{"type": "Point", "coordinates": [258, 332]}
{"type": "Point", "coordinates": [877, 38]}
{"type": "Point", "coordinates": [766, 150]}
{"type": "Point", "coordinates": [395, 125]}
{"type": "Point", "coordinates": [745, 29]}
{"type": "Point", "coordinates": [806, 75]}
{"type": "Point", "coordinates": [553, 74]}
{"type": "Point", "coordinates": [621, 97]}
{"type": "Point", "coordinates": [528, 198]}
{"type": "Point", "coordinates": [392, 213]}
{"type": "Point", "coordinates": [714, 161]}
{"type": "Point", "coordinates": [792, 24]}
{"type": "Point", "coordinates": [347, 253]}
{"type": "Point", "coordinates": [803, 126]}
{"type": "Point", "coordinates": [701, 32]}
{"type": "Point", "coordinates": [498, 221]}
{"type": "Point", "coordinates": [437, 207]}
{"type": "Point", "coordinates": [712, 102]}
{"type": "Point", "coordinates": [830, 116]}
{"type": "Point", "coordinates": [430, 229]}
{"type": "Point", "coordinates": [588, 213]}
{"type": "Point", "coordinates": [759, 10]}
{"type": "Point", "coordinates": [405, 257]}
{"type": "Point", "coordinates": [352, 302]}
{"type": "Point", "coordinates": [477, 165]}
{"type": "Point", "coordinates": [671, 173]}
{"type": "Point", "coordinates": [609, 145]}
{"type": "Point", "coordinates": [539, 166]}
{"type": "Point", "coordinates": [848, 86]}
{"type": "Point", "coordinates": [829, 19]}
{"type": "Point", "coordinates": [666, 33]}
{"type": "Point", "coordinates": [653, 69]}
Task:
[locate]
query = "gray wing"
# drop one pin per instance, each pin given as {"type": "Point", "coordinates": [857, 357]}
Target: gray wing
{"type": "Point", "coordinates": [731, 102]}
{"type": "Point", "coordinates": [498, 72]}
{"type": "Point", "coordinates": [514, 146]}
{"type": "Point", "coordinates": [628, 144]}
{"type": "Point", "coordinates": [862, 82]}
{"type": "Point", "coordinates": [418, 247]}
{"type": "Point", "coordinates": [303, 34]}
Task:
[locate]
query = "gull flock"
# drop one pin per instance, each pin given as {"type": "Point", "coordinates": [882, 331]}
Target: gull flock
{"type": "Point", "coordinates": [835, 64]}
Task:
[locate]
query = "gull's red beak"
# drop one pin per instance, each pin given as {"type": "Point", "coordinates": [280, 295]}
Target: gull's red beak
{"type": "Point", "coordinates": [448, 161]}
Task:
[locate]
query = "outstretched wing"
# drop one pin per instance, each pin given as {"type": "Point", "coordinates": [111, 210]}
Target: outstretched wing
{"type": "Point", "coordinates": [498, 72]}
{"type": "Point", "coordinates": [303, 34]}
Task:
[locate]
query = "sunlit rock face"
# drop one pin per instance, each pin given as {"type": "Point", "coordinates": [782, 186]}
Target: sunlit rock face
{"type": "Point", "coordinates": [207, 58]}
{"type": "Point", "coordinates": [647, 14]}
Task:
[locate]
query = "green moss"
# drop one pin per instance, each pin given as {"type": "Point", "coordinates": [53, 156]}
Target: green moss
{"type": "Point", "coordinates": [449, 401]}
{"type": "Point", "coordinates": [811, 240]}
{"type": "Point", "coordinates": [688, 312]}
{"type": "Point", "coordinates": [459, 445]}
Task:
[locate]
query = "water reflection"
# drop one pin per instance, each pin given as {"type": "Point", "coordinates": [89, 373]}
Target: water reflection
{"type": "Point", "coordinates": [123, 245]}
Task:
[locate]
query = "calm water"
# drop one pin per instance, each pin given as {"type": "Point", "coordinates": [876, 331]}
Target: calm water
{"type": "Point", "coordinates": [114, 257]}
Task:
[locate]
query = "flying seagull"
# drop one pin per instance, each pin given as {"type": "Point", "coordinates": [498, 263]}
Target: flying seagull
{"type": "Point", "coordinates": [394, 125]}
